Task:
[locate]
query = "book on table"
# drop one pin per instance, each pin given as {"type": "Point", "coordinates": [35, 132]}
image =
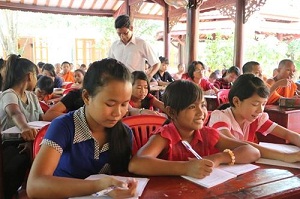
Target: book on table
{"type": "Point", "coordinates": [283, 148]}
{"type": "Point", "coordinates": [142, 182]}
{"type": "Point", "coordinates": [222, 174]}
{"type": "Point", "coordinates": [15, 132]}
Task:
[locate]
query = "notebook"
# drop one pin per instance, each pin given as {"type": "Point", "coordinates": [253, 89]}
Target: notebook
{"type": "Point", "coordinates": [15, 132]}
{"type": "Point", "coordinates": [222, 174]}
{"type": "Point", "coordinates": [280, 147]}
{"type": "Point", "coordinates": [142, 182]}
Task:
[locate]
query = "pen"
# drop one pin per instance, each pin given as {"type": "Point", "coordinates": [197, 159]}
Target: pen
{"type": "Point", "coordinates": [104, 191]}
{"type": "Point", "coordinates": [189, 147]}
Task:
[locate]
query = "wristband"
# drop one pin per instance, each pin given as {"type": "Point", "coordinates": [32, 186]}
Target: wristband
{"type": "Point", "coordinates": [231, 156]}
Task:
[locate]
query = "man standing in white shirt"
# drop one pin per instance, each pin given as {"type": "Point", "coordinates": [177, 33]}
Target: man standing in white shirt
{"type": "Point", "coordinates": [132, 51]}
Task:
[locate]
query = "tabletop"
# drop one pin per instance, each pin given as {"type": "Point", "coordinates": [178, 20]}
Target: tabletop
{"type": "Point", "coordinates": [265, 182]}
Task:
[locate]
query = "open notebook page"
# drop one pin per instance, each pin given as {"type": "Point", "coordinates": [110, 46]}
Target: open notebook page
{"type": "Point", "coordinates": [280, 147]}
{"type": "Point", "coordinates": [222, 174]}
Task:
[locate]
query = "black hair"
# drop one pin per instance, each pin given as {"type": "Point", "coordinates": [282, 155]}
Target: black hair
{"type": "Point", "coordinates": [163, 60]}
{"type": "Point", "coordinates": [245, 86]}
{"type": "Point", "coordinates": [40, 64]}
{"type": "Point", "coordinates": [180, 94]}
{"type": "Point", "coordinates": [46, 84]}
{"type": "Point", "coordinates": [16, 70]}
{"type": "Point", "coordinates": [123, 21]}
{"type": "Point", "coordinates": [248, 66]}
{"type": "Point", "coordinates": [99, 74]}
{"type": "Point", "coordinates": [192, 68]}
{"type": "Point", "coordinates": [65, 62]}
{"type": "Point", "coordinates": [81, 71]}
{"type": "Point", "coordinates": [235, 70]}
{"type": "Point", "coordinates": [140, 75]}
{"type": "Point", "coordinates": [50, 68]}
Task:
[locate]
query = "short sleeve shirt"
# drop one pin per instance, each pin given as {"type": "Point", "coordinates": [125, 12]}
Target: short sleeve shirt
{"type": "Point", "coordinates": [133, 54]}
{"type": "Point", "coordinates": [203, 143]}
{"type": "Point", "coordinates": [81, 154]}
{"type": "Point", "coordinates": [224, 119]}
{"type": "Point", "coordinates": [31, 111]}
{"type": "Point", "coordinates": [73, 100]}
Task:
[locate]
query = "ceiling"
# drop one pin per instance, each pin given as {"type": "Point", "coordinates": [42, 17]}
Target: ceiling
{"type": "Point", "coordinates": [152, 9]}
{"type": "Point", "coordinates": [274, 15]}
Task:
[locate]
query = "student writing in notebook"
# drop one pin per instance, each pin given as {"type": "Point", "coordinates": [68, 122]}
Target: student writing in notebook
{"type": "Point", "coordinates": [90, 140]}
{"type": "Point", "coordinates": [165, 154]}
{"type": "Point", "coordinates": [248, 97]}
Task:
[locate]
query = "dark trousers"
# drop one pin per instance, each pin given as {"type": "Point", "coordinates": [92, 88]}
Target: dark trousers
{"type": "Point", "coordinates": [16, 166]}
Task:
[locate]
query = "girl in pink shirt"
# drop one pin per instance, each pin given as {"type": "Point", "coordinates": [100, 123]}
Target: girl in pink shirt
{"type": "Point", "coordinates": [248, 97]}
{"type": "Point", "coordinates": [165, 154]}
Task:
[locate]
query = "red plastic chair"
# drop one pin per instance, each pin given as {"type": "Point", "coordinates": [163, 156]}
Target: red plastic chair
{"type": "Point", "coordinates": [38, 139]}
{"type": "Point", "coordinates": [44, 106]}
{"type": "Point", "coordinates": [142, 126]}
{"type": "Point", "coordinates": [222, 96]}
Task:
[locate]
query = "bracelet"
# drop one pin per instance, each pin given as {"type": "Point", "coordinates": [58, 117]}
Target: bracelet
{"type": "Point", "coordinates": [141, 110]}
{"type": "Point", "coordinates": [231, 156]}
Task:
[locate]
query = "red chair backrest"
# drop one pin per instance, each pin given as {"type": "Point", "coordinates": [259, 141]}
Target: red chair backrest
{"type": "Point", "coordinates": [222, 96]}
{"type": "Point", "coordinates": [44, 106]}
{"type": "Point", "coordinates": [38, 139]}
{"type": "Point", "coordinates": [142, 126]}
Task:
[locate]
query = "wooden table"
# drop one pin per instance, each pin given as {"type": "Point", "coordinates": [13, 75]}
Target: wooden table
{"type": "Point", "coordinates": [286, 117]}
{"type": "Point", "coordinates": [264, 182]}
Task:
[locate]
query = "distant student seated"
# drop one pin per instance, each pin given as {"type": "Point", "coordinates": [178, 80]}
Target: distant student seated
{"type": "Point", "coordinates": [44, 88]}
{"type": "Point", "coordinates": [286, 70]}
{"type": "Point", "coordinates": [245, 116]}
{"type": "Point", "coordinates": [225, 82]}
{"type": "Point", "coordinates": [164, 153]}
{"type": "Point", "coordinates": [70, 102]}
{"type": "Point", "coordinates": [143, 101]}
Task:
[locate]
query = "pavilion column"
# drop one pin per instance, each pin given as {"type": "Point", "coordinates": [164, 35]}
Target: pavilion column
{"type": "Point", "coordinates": [192, 35]}
{"type": "Point", "coordinates": [167, 38]}
{"type": "Point", "coordinates": [239, 33]}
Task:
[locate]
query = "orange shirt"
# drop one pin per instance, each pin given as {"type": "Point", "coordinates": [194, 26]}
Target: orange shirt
{"type": "Point", "coordinates": [288, 91]}
{"type": "Point", "coordinates": [68, 77]}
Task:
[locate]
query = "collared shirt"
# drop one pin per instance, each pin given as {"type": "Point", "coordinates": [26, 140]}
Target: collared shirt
{"type": "Point", "coordinates": [224, 119]}
{"type": "Point", "coordinates": [81, 154]}
{"type": "Point", "coordinates": [133, 54]}
{"type": "Point", "coordinates": [203, 143]}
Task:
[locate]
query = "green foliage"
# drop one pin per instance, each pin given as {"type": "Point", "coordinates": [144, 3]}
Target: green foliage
{"type": "Point", "coordinates": [218, 52]}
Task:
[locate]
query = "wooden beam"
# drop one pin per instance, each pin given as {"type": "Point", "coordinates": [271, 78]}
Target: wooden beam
{"type": "Point", "coordinates": [55, 10]}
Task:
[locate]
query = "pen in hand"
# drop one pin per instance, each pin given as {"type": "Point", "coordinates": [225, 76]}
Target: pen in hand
{"type": "Point", "coordinates": [104, 191]}
{"type": "Point", "coordinates": [189, 147]}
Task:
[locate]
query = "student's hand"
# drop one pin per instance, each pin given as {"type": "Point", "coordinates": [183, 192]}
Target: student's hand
{"type": "Point", "coordinates": [292, 157]}
{"type": "Point", "coordinates": [123, 190]}
{"type": "Point", "coordinates": [284, 83]}
{"type": "Point", "coordinates": [28, 134]}
{"type": "Point", "coordinates": [126, 192]}
{"type": "Point", "coordinates": [199, 168]}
